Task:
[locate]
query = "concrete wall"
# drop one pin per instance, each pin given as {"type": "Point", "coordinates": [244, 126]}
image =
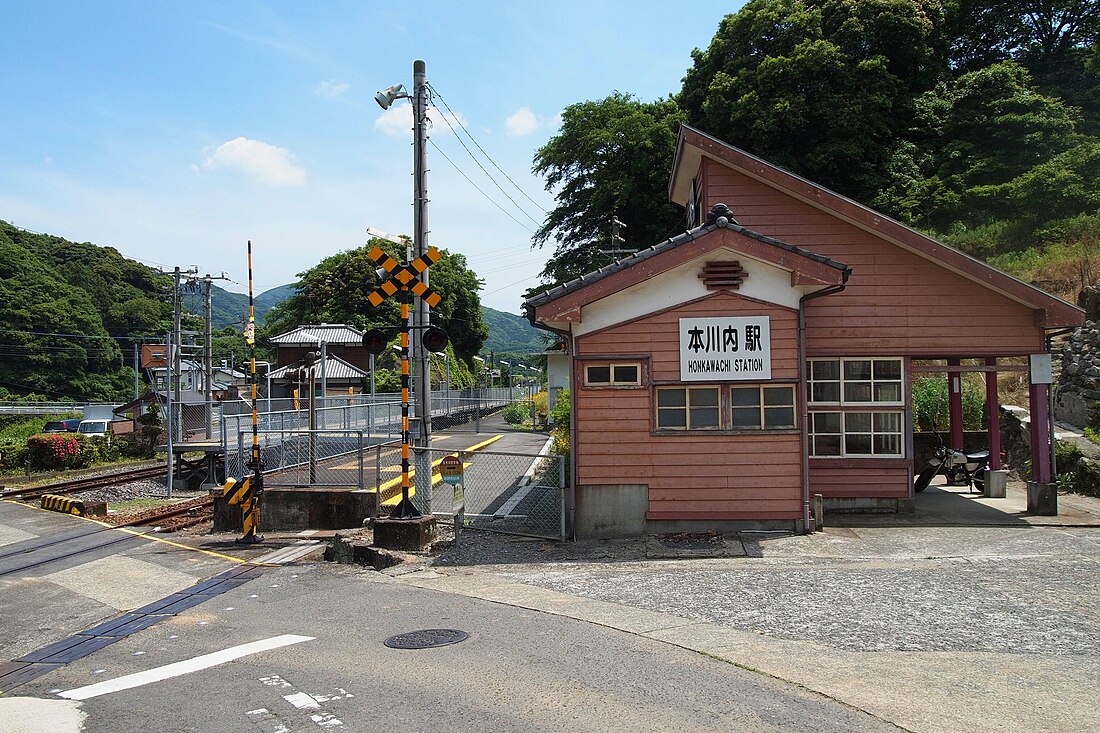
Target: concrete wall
{"type": "Point", "coordinates": [611, 510]}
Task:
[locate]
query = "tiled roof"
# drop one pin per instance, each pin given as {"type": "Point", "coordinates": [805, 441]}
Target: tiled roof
{"type": "Point", "coordinates": [331, 333]}
{"type": "Point", "coordinates": [334, 368]}
{"type": "Point", "coordinates": [718, 218]}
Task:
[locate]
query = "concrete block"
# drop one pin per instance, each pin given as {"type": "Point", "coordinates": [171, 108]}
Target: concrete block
{"type": "Point", "coordinates": [94, 508]}
{"type": "Point", "coordinates": [606, 511]}
{"type": "Point", "coordinates": [996, 484]}
{"type": "Point", "coordinates": [410, 535]}
{"type": "Point", "coordinates": [284, 509]}
{"type": "Point", "coordinates": [1042, 499]}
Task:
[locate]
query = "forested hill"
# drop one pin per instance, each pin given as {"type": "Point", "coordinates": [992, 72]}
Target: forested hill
{"type": "Point", "coordinates": [509, 333]}
{"type": "Point", "coordinates": [70, 314]}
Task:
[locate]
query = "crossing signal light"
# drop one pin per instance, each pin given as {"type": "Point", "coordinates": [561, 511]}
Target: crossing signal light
{"type": "Point", "coordinates": [375, 341]}
{"type": "Point", "coordinates": [435, 339]}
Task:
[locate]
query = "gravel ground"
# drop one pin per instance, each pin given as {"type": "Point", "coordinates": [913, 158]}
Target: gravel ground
{"type": "Point", "coordinates": [883, 589]}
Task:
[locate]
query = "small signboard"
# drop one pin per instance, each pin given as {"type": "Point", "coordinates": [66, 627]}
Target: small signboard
{"type": "Point", "coordinates": [725, 349]}
{"type": "Point", "coordinates": [450, 468]}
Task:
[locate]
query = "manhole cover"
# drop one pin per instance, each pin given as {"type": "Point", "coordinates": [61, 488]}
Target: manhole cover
{"type": "Point", "coordinates": [426, 639]}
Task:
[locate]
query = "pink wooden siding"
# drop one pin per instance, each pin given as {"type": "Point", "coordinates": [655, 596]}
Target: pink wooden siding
{"type": "Point", "coordinates": [850, 479]}
{"type": "Point", "coordinates": [697, 475]}
{"type": "Point", "coordinates": [896, 302]}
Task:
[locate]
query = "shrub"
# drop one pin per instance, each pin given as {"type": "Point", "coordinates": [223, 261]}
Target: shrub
{"type": "Point", "coordinates": [930, 404]}
{"type": "Point", "coordinates": [13, 455]}
{"type": "Point", "coordinates": [560, 418]}
{"type": "Point", "coordinates": [55, 451]}
{"type": "Point", "coordinates": [516, 413]}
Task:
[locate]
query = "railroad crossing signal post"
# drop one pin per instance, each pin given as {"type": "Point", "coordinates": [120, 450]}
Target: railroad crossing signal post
{"type": "Point", "coordinates": [403, 281]}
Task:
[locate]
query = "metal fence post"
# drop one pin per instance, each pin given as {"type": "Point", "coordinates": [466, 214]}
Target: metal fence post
{"type": "Point", "coordinates": [561, 493]}
{"type": "Point", "coordinates": [361, 448]}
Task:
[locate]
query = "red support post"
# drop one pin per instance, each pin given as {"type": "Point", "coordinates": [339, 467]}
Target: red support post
{"type": "Point", "coordinates": [993, 415]}
{"type": "Point", "coordinates": [1040, 433]}
{"type": "Point", "coordinates": [955, 404]}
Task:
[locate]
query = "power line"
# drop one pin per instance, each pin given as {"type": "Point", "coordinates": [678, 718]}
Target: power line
{"type": "Point", "coordinates": [435, 93]}
{"type": "Point", "coordinates": [79, 335]}
{"type": "Point", "coordinates": [487, 196]}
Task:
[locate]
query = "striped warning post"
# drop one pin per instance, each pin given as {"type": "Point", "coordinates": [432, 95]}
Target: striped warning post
{"type": "Point", "coordinates": [63, 504]}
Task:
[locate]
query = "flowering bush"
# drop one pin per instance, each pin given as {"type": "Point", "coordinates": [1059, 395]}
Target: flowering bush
{"type": "Point", "coordinates": [54, 451]}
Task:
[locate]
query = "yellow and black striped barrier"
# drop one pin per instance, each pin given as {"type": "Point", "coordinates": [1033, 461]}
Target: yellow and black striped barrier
{"type": "Point", "coordinates": [63, 504]}
{"type": "Point", "coordinates": [244, 493]}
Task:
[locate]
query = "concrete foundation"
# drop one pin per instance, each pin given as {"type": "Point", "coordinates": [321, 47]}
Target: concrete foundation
{"type": "Point", "coordinates": [410, 535]}
{"type": "Point", "coordinates": [868, 505]}
{"type": "Point", "coordinates": [996, 484]}
{"type": "Point", "coordinates": [1042, 499]}
{"type": "Point", "coordinates": [607, 511]}
{"type": "Point", "coordinates": [303, 508]}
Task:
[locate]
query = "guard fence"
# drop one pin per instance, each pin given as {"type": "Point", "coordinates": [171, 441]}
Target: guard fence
{"type": "Point", "coordinates": [514, 493]}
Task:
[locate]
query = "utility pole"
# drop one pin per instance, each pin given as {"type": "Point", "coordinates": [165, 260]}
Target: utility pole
{"type": "Point", "coordinates": [616, 240]}
{"type": "Point", "coordinates": [420, 243]}
{"type": "Point", "coordinates": [208, 350]}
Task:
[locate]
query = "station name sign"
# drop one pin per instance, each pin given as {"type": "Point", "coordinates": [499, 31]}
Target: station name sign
{"type": "Point", "coordinates": [725, 349]}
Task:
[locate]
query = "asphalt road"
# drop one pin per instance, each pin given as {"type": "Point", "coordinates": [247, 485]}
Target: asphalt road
{"type": "Point", "coordinates": [519, 670]}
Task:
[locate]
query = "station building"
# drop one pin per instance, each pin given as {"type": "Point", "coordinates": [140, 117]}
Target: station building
{"type": "Point", "coordinates": [721, 378]}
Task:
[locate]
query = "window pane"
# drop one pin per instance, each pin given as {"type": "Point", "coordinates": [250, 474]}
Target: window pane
{"type": "Point", "coordinates": [671, 397]}
{"type": "Point", "coordinates": [888, 369]}
{"type": "Point", "coordinates": [857, 422]}
{"type": "Point", "coordinates": [825, 370]}
{"type": "Point", "coordinates": [779, 417]}
{"type": "Point", "coordinates": [671, 418]}
{"type": "Point", "coordinates": [888, 392]}
{"type": "Point", "coordinates": [826, 422]}
{"type": "Point", "coordinates": [704, 417]}
{"type": "Point", "coordinates": [826, 445]}
{"type": "Point", "coordinates": [857, 369]}
{"type": "Point", "coordinates": [626, 374]}
{"type": "Point", "coordinates": [857, 444]}
{"type": "Point", "coordinates": [746, 396]}
{"type": "Point", "coordinates": [887, 422]}
{"type": "Point", "coordinates": [703, 397]}
{"type": "Point", "coordinates": [825, 392]}
{"type": "Point", "coordinates": [779, 395]}
{"type": "Point", "coordinates": [599, 375]}
{"type": "Point", "coordinates": [887, 445]}
{"type": "Point", "coordinates": [857, 391]}
{"type": "Point", "coordinates": [746, 417]}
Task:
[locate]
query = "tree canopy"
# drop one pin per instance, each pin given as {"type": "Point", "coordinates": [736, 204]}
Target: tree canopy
{"type": "Point", "coordinates": [336, 291]}
{"type": "Point", "coordinates": [957, 116]}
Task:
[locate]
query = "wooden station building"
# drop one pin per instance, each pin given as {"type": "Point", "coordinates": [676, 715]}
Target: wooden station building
{"type": "Point", "coordinates": [722, 377]}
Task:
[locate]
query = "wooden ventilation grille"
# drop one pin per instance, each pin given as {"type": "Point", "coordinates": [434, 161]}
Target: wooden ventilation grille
{"type": "Point", "coordinates": [722, 275]}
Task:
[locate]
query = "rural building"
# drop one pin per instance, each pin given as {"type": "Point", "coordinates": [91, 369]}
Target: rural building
{"type": "Point", "coordinates": [722, 377]}
{"type": "Point", "coordinates": [343, 366]}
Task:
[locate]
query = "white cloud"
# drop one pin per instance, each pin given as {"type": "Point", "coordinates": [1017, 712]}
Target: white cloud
{"type": "Point", "coordinates": [260, 161]}
{"type": "Point", "coordinates": [522, 122]}
{"type": "Point", "coordinates": [397, 121]}
{"type": "Point", "coordinates": [332, 88]}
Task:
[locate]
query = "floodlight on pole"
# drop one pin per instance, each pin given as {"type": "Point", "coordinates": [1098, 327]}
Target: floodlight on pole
{"type": "Point", "coordinates": [389, 95]}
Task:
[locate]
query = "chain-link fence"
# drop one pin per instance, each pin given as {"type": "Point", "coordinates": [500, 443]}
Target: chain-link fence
{"type": "Point", "coordinates": [347, 458]}
{"type": "Point", "coordinates": [513, 493]}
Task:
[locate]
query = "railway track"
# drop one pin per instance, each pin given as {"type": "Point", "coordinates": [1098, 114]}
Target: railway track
{"type": "Point", "coordinates": [75, 486]}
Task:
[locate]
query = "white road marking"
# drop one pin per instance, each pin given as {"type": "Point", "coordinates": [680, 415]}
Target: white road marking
{"type": "Point", "coordinates": [302, 700]}
{"type": "Point", "coordinates": [525, 485]}
{"type": "Point", "coordinates": [187, 666]}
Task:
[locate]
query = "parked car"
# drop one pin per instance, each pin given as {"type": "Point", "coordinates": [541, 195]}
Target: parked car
{"type": "Point", "coordinates": [62, 426]}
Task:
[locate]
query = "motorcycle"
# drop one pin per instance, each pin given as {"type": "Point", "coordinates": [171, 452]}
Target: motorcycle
{"type": "Point", "coordinates": [965, 469]}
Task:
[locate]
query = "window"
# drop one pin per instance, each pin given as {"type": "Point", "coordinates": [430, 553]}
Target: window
{"type": "Point", "coordinates": [687, 408]}
{"type": "Point", "coordinates": [613, 375]}
{"type": "Point", "coordinates": [759, 407]}
{"type": "Point", "coordinates": [855, 434]}
{"type": "Point", "coordinates": [855, 381]}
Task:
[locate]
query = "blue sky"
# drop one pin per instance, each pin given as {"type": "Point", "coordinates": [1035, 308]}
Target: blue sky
{"type": "Point", "coordinates": [174, 132]}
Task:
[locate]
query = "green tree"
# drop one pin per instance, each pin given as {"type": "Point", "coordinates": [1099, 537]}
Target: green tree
{"type": "Point", "coordinates": [610, 158]}
{"type": "Point", "coordinates": [336, 291]}
{"type": "Point", "coordinates": [821, 87]}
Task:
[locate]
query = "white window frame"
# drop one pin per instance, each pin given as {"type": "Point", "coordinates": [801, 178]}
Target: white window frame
{"type": "Point", "coordinates": [687, 390]}
{"type": "Point", "coordinates": [842, 382]}
{"type": "Point", "coordinates": [844, 432]}
{"type": "Point", "coordinates": [611, 374]}
{"type": "Point", "coordinates": [762, 408]}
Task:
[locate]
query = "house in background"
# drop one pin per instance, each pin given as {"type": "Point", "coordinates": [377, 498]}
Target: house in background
{"type": "Point", "coordinates": [722, 377]}
{"type": "Point", "coordinates": [344, 363]}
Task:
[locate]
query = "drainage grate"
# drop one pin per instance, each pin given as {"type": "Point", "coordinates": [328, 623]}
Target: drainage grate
{"type": "Point", "coordinates": [426, 639]}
